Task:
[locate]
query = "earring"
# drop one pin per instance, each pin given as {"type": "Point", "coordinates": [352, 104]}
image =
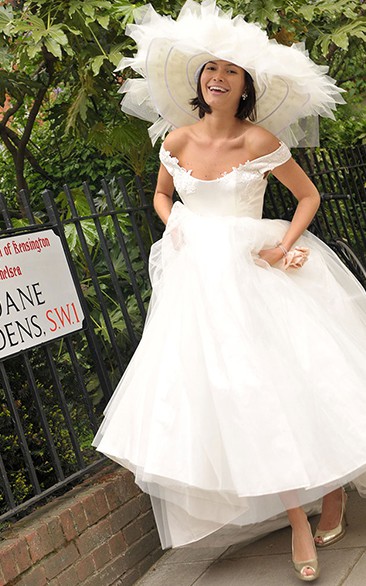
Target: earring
{"type": "Point", "coordinates": [244, 96]}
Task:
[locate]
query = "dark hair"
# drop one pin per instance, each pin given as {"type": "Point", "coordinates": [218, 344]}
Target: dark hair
{"type": "Point", "coordinates": [246, 108]}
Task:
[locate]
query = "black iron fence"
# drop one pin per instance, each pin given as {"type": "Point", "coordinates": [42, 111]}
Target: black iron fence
{"type": "Point", "coordinates": [52, 396]}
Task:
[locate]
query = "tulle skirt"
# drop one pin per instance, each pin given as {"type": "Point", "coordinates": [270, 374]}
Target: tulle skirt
{"type": "Point", "coordinates": [246, 395]}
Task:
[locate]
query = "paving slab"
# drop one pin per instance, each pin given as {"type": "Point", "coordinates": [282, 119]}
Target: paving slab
{"type": "Point", "coordinates": [266, 561]}
{"type": "Point", "coordinates": [264, 571]}
{"type": "Point", "coordinates": [197, 554]}
{"type": "Point", "coordinates": [184, 574]}
{"type": "Point", "coordinates": [277, 570]}
{"type": "Point", "coordinates": [357, 575]}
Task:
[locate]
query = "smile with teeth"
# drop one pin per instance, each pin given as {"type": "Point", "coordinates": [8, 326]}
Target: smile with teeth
{"type": "Point", "coordinates": [217, 88]}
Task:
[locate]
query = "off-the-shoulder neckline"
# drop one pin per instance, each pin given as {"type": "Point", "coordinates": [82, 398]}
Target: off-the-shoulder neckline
{"type": "Point", "coordinates": [175, 160]}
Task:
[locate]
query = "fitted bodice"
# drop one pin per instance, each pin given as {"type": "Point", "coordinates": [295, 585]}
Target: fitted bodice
{"type": "Point", "coordinates": [239, 192]}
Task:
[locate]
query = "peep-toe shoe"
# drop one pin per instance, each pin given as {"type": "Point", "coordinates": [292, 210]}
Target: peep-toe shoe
{"type": "Point", "coordinates": [325, 538]}
{"type": "Point", "coordinates": [301, 567]}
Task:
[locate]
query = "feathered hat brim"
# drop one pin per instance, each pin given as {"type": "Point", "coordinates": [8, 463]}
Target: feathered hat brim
{"type": "Point", "coordinates": [289, 85]}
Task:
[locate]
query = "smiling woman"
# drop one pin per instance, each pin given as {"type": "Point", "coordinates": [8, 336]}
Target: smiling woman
{"type": "Point", "coordinates": [254, 342]}
{"type": "Point", "coordinates": [223, 77]}
{"type": "Point", "coordinates": [245, 100]}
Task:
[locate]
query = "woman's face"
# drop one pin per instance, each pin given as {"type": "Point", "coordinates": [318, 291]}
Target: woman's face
{"type": "Point", "coordinates": [222, 84]}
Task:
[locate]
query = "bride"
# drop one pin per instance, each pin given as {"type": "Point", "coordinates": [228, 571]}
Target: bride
{"type": "Point", "coordinates": [220, 141]}
{"type": "Point", "coordinates": [235, 404]}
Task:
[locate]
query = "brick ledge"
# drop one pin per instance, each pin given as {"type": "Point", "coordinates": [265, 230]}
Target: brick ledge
{"type": "Point", "coordinates": [101, 533]}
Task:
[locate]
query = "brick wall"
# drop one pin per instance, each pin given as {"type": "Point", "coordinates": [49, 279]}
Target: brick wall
{"type": "Point", "coordinates": [101, 533]}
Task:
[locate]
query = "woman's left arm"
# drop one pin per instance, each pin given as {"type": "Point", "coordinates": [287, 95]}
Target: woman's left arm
{"type": "Point", "coordinates": [295, 179]}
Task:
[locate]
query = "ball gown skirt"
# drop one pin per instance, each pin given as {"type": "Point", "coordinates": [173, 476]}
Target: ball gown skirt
{"type": "Point", "coordinates": [246, 395]}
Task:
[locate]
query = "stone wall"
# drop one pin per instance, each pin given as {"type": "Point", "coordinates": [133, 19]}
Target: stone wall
{"type": "Point", "coordinates": [101, 533]}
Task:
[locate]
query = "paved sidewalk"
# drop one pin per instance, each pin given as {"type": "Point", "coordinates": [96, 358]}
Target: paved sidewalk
{"type": "Point", "coordinates": [266, 562]}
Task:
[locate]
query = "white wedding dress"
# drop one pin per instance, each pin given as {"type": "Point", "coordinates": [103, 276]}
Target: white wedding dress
{"type": "Point", "coordinates": [246, 395]}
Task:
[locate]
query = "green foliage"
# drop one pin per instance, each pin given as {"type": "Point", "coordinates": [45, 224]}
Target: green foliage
{"type": "Point", "coordinates": [322, 23]}
{"type": "Point", "coordinates": [65, 53]}
{"type": "Point", "coordinates": [350, 126]}
{"type": "Point", "coordinates": [58, 67]}
{"type": "Point", "coordinates": [340, 21]}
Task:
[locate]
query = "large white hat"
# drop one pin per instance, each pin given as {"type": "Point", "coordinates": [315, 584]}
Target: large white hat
{"type": "Point", "coordinates": [290, 87]}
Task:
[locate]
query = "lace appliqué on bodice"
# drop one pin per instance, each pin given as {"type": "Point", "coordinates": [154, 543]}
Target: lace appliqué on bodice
{"type": "Point", "coordinates": [182, 177]}
{"type": "Point", "coordinates": [260, 164]}
{"type": "Point", "coordinates": [238, 192]}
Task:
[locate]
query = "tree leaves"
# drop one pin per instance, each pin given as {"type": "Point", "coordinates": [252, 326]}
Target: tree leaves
{"type": "Point", "coordinates": [16, 84]}
{"type": "Point", "coordinates": [6, 59]}
{"type": "Point", "coordinates": [86, 40]}
{"type": "Point", "coordinates": [130, 140]}
{"type": "Point", "coordinates": [341, 36]}
{"type": "Point", "coordinates": [123, 11]}
{"type": "Point", "coordinates": [35, 33]}
{"type": "Point", "coordinates": [103, 11]}
{"type": "Point", "coordinates": [80, 102]}
{"type": "Point", "coordinates": [330, 23]}
{"type": "Point", "coordinates": [323, 8]}
{"type": "Point", "coordinates": [96, 63]}
{"type": "Point", "coordinates": [6, 18]}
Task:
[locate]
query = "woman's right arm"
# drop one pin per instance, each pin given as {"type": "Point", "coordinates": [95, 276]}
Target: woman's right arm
{"type": "Point", "coordinates": [163, 197]}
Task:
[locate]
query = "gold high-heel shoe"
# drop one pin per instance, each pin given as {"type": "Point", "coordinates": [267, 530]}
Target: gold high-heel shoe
{"type": "Point", "coordinates": [301, 567]}
{"type": "Point", "coordinates": [325, 538]}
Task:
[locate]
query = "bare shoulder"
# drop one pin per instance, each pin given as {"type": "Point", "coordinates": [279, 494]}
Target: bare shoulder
{"type": "Point", "coordinates": [260, 141]}
{"type": "Point", "coordinates": [176, 139]}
